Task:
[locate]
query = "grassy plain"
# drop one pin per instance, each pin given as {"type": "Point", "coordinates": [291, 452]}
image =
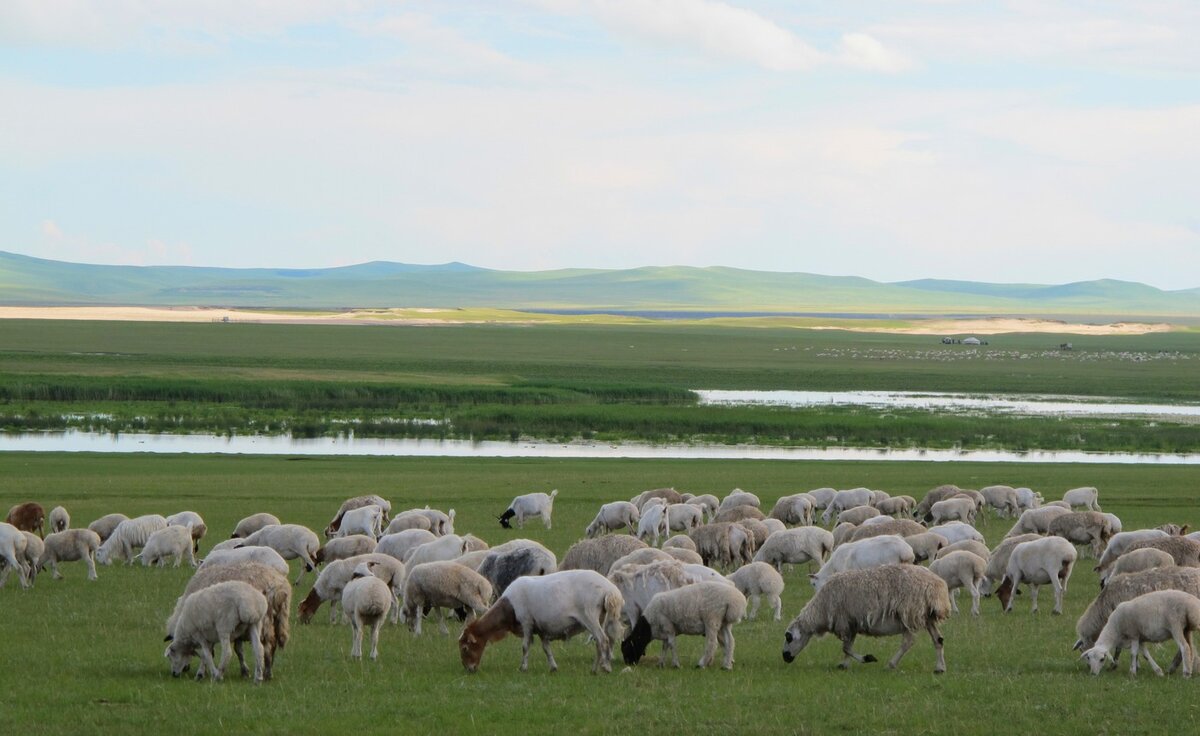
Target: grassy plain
{"type": "Point", "coordinates": [607, 382]}
{"type": "Point", "coordinates": [86, 657]}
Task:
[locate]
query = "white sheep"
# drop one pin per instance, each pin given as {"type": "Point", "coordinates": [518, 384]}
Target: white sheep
{"type": "Point", "coordinates": [967, 545]}
{"type": "Point", "coordinates": [843, 500]}
{"type": "Point", "coordinates": [1146, 558]}
{"type": "Point", "coordinates": [358, 502]}
{"type": "Point", "coordinates": [70, 545]}
{"type": "Point", "coordinates": [709, 503]}
{"type": "Point", "coordinates": [738, 497]}
{"type": "Point", "coordinates": [666, 495]}
{"type": "Point", "coordinates": [1120, 542]}
{"type": "Point", "coordinates": [262, 555]}
{"type": "Point", "coordinates": [796, 509]}
{"type": "Point", "coordinates": [704, 574]}
{"type": "Point", "coordinates": [1087, 496]}
{"type": "Point", "coordinates": [897, 506]}
{"type": "Point", "coordinates": [440, 586]}
{"type": "Point", "coordinates": [35, 547]}
{"type": "Point", "coordinates": [961, 569]}
{"type": "Point", "coordinates": [640, 557]}
{"type": "Point", "coordinates": [366, 600]}
{"type": "Point", "coordinates": [654, 523]}
{"type": "Point", "coordinates": [756, 581]}
{"type": "Point", "coordinates": [614, 516]}
{"type": "Point", "coordinates": [1152, 617]}
{"type": "Point", "coordinates": [291, 541]}
{"type": "Point", "coordinates": [682, 541]}
{"type": "Point", "coordinates": [795, 547]}
{"type": "Point", "coordinates": [683, 517]}
{"type": "Point", "coordinates": [59, 519]}
{"type": "Point", "coordinates": [254, 523]}
{"type": "Point", "coordinates": [1027, 498]}
{"type": "Point", "coordinates": [223, 613]}
{"type": "Point", "coordinates": [685, 556]}
{"type": "Point", "coordinates": [443, 549]}
{"type": "Point", "coordinates": [106, 525]}
{"type": "Point", "coordinates": [332, 581]}
{"type": "Point", "coordinates": [1003, 499]}
{"type": "Point", "coordinates": [232, 543]}
{"type": "Point", "coordinates": [340, 548]}
{"type": "Point", "coordinates": [411, 519]}
{"type": "Point", "coordinates": [170, 542]}
{"type": "Point", "coordinates": [887, 549]}
{"type": "Point", "coordinates": [365, 520]}
{"type": "Point", "coordinates": [1115, 523]}
{"type": "Point", "coordinates": [1038, 562]}
{"type": "Point", "coordinates": [528, 506]}
{"type": "Point", "coordinates": [857, 515]}
{"type": "Point", "coordinates": [638, 584]}
{"type": "Point", "coordinates": [194, 521]}
{"type": "Point", "coordinates": [129, 535]}
{"type": "Point", "coordinates": [398, 544]}
{"type": "Point", "coordinates": [926, 546]}
{"type": "Point", "coordinates": [957, 508]}
{"type": "Point", "coordinates": [703, 609]}
{"type": "Point", "coordinates": [821, 497]}
{"type": "Point", "coordinates": [881, 519]}
{"type": "Point", "coordinates": [12, 554]}
{"type": "Point", "coordinates": [957, 531]}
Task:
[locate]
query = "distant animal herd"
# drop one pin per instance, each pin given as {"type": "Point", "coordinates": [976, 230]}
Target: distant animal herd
{"type": "Point", "coordinates": [661, 565]}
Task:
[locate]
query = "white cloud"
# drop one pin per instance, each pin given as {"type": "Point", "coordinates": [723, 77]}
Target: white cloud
{"type": "Point", "coordinates": [864, 52]}
{"type": "Point", "coordinates": [51, 230]}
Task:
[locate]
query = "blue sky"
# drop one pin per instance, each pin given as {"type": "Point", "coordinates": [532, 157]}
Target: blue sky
{"type": "Point", "coordinates": [1005, 141]}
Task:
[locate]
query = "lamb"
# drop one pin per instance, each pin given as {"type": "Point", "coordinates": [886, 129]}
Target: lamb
{"type": "Point", "coordinates": [639, 584]}
{"type": "Point", "coordinates": [1120, 543]}
{"type": "Point", "coordinates": [708, 609]}
{"type": "Point", "coordinates": [1185, 552]}
{"type": "Point", "coordinates": [614, 516]}
{"type": "Point", "coordinates": [796, 546]}
{"type": "Point", "coordinates": [252, 524]}
{"type": "Point", "coordinates": [1038, 562]}
{"type": "Point", "coordinates": [528, 506]}
{"type": "Point", "coordinates": [1002, 499]}
{"type": "Point", "coordinates": [28, 517]}
{"type": "Point", "coordinates": [707, 503]}
{"type": "Point", "coordinates": [225, 612]}
{"type": "Point", "coordinates": [941, 493]}
{"type": "Point", "coordinates": [897, 506]}
{"type": "Point", "coordinates": [723, 543]}
{"type": "Point", "coordinates": [275, 589]}
{"type": "Point", "coordinates": [291, 541]}
{"type": "Point", "coordinates": [129, 535]}
{"type": "Point", "coordinates": [1128, 587]}
{"type": "Point", "coordinates": [756, 580]}
{"type": "Point", "coordinates": [683, 517]}
{"type": "Point", "coordinates": [398, 544]}
{"type": "Point", "coordinates": [738, 497]}
{"type": "Point", "coordinates": [1088, 497]}
{"type": "Point", "coordinates": [961, 569]}
{"type": "Point", "coordinates": [555, 606]}
{"type": "Point", "coordinates": [670, 495]}
{"type": "Point", "coordinates": [358, 502]}
{"type": "Point", "coordinates": [443, 549]}
{"type": "Point", "coordinates": [366, 600]}
{"type": "Point", "coordinates": [900, 527]}
{"type": "Point", "coordinates": [106, 525]}
{"type": "Point", "coordinates": [967, 545]}
{"type": "Point", "coordinates": [857, 515]}
{"type": "Point", "coordinates": [998, 561]}
{"type": "Point", "coordinates": [956, 508]}
{"type": "Point", "coordinates": [685, 556]}
{"type": "Point", "coordinates": [262, 555]}
{"type": "Point", "coordinates": [59, 519]}
{"type": "Point", "coordinates": [193, 520]}
{"type": "Point", "coordinates": [599, 554]}
{"type": "Point", "coordinates": [502, 566]}
{"type": "Point", "coordinates": [332, 581]}
{"type": "Point", "coordinates": [872, 552]}
{"type": "Point", "coordinates": [171, 541]}
{"type": "Point", "coordinates": [70, 545]}
{"type": "Point", "coordinates": [1151, 617]}
{"type": "Point", "coordinates": [682, 541]}
{"type": "Point", "coordinates": [367, 521]}
{"type": "Point", "coordinates": [1082, 527]}
{"type": "Point", "coordinates": [796, 509]}
{"type": "Point", "coordinates": [653, 523]}
{"type": "Point", "coordinates": [737, 513]}
{"type": "Point", "coordinates": [339, 548]}
{"type": "Point", "coordinates": [1138, 560]}
{"type": "Point", "coordinates": [12, 554]}
{"type": "Point", "coordinates": [407, 520]}
{"type": "Point", "coordinates": [880, 601]}
{"type": "Point", "coordinates": [843, 500]}
{"type": "Point", "coordinates": [925, 546]}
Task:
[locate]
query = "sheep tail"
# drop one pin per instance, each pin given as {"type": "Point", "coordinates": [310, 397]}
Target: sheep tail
{"type": "Point", "coordinates": [612, 616]}
{"type": "Point", "coordinates": [554, 493]}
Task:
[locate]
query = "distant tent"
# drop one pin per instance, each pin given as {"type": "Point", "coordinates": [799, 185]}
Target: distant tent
{"type": "Point", "coordinates": [971, 341]}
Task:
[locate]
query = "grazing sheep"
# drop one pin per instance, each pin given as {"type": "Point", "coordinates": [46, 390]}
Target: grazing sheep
{"type": "Point", "coordinates": [34, 549]}
{"type": "Point", "coordinates": [366, 600]}
{"type": "Point", "coordinates": [897, 506]}
{"type": "Point", "coordinates": [440, 523]}
{"type": "Point", "coordinates": [707, 609]}
{"type": "Point", "coordinates": [1082, 527]}
{"type": "Point", "coordinates": [880, 601]}
{"type": "Point", "coordinates": [292, 542]}
{"type": "Point", "coordinates": [28, 517]}
{"type": "Point", "coordinates": [957, 508]}
{"type": "Point", "coordinates": [1058, 504]}
{"type": "Point", "coordinates": [599, 554]}
{"type": "Point", "coordinates": [1151, 617]}
{"type": "Point", "coordinates": [1185, 552]}
{"type": "Point", "coordinates": [757, 530]}
{"type": "Point", "coordinates": [842, 533]}
{"type": "Point", "coordinates": [59, 519]}
{"type": "Point", "coordinates": [1120, 543]}
{"type": "Point", "coordinates": [772, 525]}
{"type": "Point", "coordinates": [653, 523]}
{"type": "Point", "coordinates": [129, 535]}
{"type": "Point", "coordinates": [967, 545]}
{"type": "Point", "coordinates": [614, 516]}
{"type": "Point", "coordinates": [443, 549]}
{"type": "Point", "coordinates": [106, 525]}
{"type": "Point", "coordinates": [685, 556]}
{"type": "Point", "coordinates": [708, 503]}
{"type": "Point", "coordinates": [704, 574]}
{"type": "Point", "coordinates": [262, 555]}
{"type": "Point", "coordinates": [738, 497]}
{"type": "Point", "coordinates": [472, 559]}
{"type": "Point", "coordinates": [398, 544]}
{"type": "Point", "coordinates": [1027, 498]}
{"type": "Point", "coordinates": [899, 527]}
{"type": "Point", "coordinates": [723, 544]}
{"type": "Point", "coordinates": [408, 520]}
{"type": "Point", "coordinates": [956, 531]}
{"type": "Point", "coordinates": [275, 589]}
{"type": "Point", "coordinates": [226, 612]}
{"type": "Point", "coordinates": [70, 545]}
{"type": "Point", "coordinates": [339, 548]}
{"type": "Point", "coordinates": [12, 554]}
{"type": "Point", "coordinates": [843, 500]}
{"type": "Point", "coordinates": [872, 552]}
{"type": "Point", "coordinates": [358, 502]}
{"type": "Point", "coordinates": [961, 569]}
{"type": "Point", "coordinates": [641, 557]}
{"type": "Point", "coordinates": [1002, 499]}
{"type": "Point", "coordinates": [502, 566]}
{"type": "Point", "coordinates": [756, 580]}
{"type": "Point", "coordinates": [998, 561]}
{"type": "Point", "coordinates": [234, 543]}
{"type": "Point", "coordinates": [737, 513]}
{"type": "Point", "coordinates": [795, 547]}
{"type": "Point", "coordinates": [333, 579]}
{"type": "Point", "coordinates": [1038, 562]}
{"type": "Point", "coordinates": [1088, 497]}
{"type": "Point", "coordinates": [878, 497]}
{"type": "Point", "coordinates": [925, 546]}
{"type": "Point", "coordinates": [639, 584]}
{"type": "Point", "coordinates": [174, 542]}
{"type": "Point", "coordinates": [941, 493]}
{"type": "Point", "coordinates": [683, 517]}
{"type": "Point", "coordinates": [857, 515]}
{"type": "Point", "coordinates": [193, 520]}
{"type": "Point", "coordinates": [252, 524]}
{"type": "Point", "coordinates": [821, 497]}
{"type": "Point", "coordinates": [670, 495]}
{"type": "Point", "coordinates": [1114, 522]}
{"type": "Point", "coordinates": [796, 509]}
{"type": "Point", "coordinates": [528, 506]}
{"type": "Point", "coordinates": [976, 497]}
{"type": "Point", "coordinates": [1138, 560]}
{"type": "Point", "coordinates": [367, 521]}
{"type": "Point", "coordinates": [1173, 530]}
{"type": "Point", "coordinates": [881, 519]}
{"type": "Point", "coordinates": [1128, 587]}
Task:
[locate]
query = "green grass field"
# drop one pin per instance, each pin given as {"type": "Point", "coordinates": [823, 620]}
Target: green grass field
{"type": "Point", "coordinates": [85, 657]}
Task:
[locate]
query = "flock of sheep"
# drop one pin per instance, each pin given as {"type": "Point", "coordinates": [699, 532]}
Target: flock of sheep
{"type": "Point", "coordinates": [661, 565]}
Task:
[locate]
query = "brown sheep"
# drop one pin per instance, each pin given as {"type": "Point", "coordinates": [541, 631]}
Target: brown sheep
{"type": "Point", "coordinates": [28, 517]}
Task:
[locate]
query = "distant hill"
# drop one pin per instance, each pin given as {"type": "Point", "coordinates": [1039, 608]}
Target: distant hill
{"type": "Point", "coordinates": [25, 280]}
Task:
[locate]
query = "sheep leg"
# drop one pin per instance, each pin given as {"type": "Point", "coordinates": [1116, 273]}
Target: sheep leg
{"type": "Point", "coordinates": [727, 645]}
{"type": "Point", "coordinates": [906, 643]}
{"type": "Point", "coordinates": [206, 663]}
{"type": "Point", "coordinates": [710, 647]}
{"type": "Point", "coordinates": [226, 653]}
{"type": "Point", "coordinates": [356, 638]}
{"type": "Point", "coordinates": [375, 627]}
{"type": "Point", "coordinates": [256, 646]}
{"type": "Point", "coordinates": [420, 613]}
{"type": "Point", "coordinates": [549, 654]}
{"type": "Point", "coordinates": [938, 647]}
{"type": "Point", "coordinates": [91, 563]}
{"type": "Point", "coordinates": [395, 608]}
{"type": "Point", "coordinates": [1059, 590]}
{"type": "Point", "coordinates": [974, 598]}
{"type": "Point", "coordinates": [1150, 661]}
{"type": "Point", "coordinates": [754, 609]}
{"type": "Point", "coordinates": [58, 575]}
{"type": "Point", "coordinates": [603, 646]}
{"type": "Point", "coordinates": [777, 605]}
{"type": "Point", "coordinates": [1033, 592]}
{"type": "Point", "coordinates": [442, 622]}
{"type": "Point", "coordinates": [1135, 651]}
{"type": "Point", "coordinates": [954, 601]}
{"type": "Point", "coordinates": [237, 648]}
{"type": "Point", "coordinates": [674, 650]}
{"type": "Point", "coordinates": [847, 649]}
{"type": "Point", "coordinates": [526, 640]}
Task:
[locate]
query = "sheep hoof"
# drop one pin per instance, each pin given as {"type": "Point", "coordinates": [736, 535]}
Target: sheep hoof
{"type": "Point", "coordinates": [843, 666]}
{"type": "Point", "coordinates": [869, 658]}
{"type": "Point", "coordinates": [940, 671]}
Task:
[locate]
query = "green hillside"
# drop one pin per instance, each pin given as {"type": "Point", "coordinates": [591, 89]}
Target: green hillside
{"type": "Point", "coordinates": [33, 281]}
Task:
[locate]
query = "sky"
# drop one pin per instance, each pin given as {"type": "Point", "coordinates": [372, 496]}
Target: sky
{"type": "Point", "coordinates": [1039, 141]}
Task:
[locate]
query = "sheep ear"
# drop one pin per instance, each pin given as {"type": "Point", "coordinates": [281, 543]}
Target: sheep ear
{"type": "Point", "coordinates": [169, 637]}
{"type": "Point", "coordinates": [1078, 645]}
